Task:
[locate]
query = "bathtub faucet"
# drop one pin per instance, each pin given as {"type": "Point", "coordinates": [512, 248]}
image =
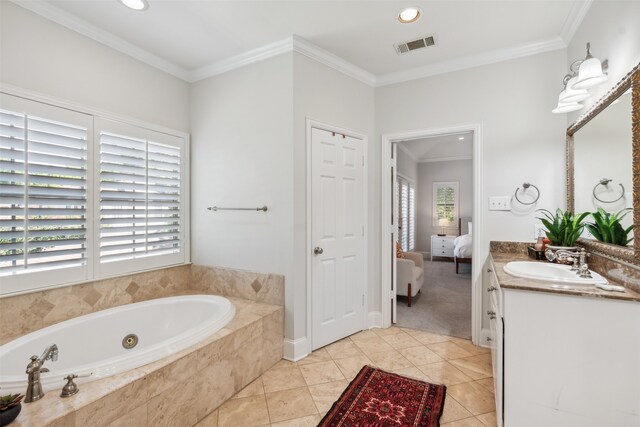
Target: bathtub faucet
{"type": "Point", "coordinates": [34, 369]}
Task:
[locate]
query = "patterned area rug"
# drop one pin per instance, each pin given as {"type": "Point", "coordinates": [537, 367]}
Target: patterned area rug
{"type": "Point", "coordinates": [376, 398]}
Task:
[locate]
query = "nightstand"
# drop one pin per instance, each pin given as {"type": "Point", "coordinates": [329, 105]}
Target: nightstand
{"type": "Point", "coordinates": [442, 246]}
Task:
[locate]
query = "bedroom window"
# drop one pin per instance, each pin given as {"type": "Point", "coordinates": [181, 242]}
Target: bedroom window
{"type": "Point", "coordinates": [445, 203]}
{"type": "Point", "coordinates": [407, 213]}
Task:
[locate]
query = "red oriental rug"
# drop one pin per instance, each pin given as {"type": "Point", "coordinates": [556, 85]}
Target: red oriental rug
{"type": "Point", "coordinates": [377, 398]}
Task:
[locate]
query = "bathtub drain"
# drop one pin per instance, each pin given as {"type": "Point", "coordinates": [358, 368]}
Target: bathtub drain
{"type": "Point", "coordinates": [130, 341]}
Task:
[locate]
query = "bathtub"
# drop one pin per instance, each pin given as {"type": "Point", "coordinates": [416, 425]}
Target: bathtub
{"type": "Point", "coordinates": [94, 345]}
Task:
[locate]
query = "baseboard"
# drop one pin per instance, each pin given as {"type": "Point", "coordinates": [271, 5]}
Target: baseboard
{"type": "Point", "coordinates": [486, 333]}
{"type": "Point", "coordinates": [295, 350]}
{"type": "Point", "coordinates": [374, 319]}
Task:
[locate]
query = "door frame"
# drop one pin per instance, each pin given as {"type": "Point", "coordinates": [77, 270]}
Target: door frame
{"type": "Point", "coordinates": [311, 124]}
{"type": "Point", "coordinates": [479, 253]}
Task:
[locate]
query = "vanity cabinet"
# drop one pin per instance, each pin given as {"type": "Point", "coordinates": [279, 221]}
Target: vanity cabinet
{"type": "Point", "coordinates": [564, 360]}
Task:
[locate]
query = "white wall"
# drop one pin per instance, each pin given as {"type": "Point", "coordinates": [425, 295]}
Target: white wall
{"type": "Point", "coordinates": [242, 156]}
{"type": "Point", "coordinates": [407, 166]}
{"type": "Point", "coordinates": [323, 94]}
{"type": "Point", "coordinates": [521, 139]}
{"type": "Point", "coordinates": [613, 29]}
{"type": "Point", "coordinates": [460, 171]}
{"type": "Point", "coordinates": [42, 56]}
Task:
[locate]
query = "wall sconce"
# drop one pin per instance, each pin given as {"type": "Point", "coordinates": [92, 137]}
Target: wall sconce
{"type": "Point", "coordinates": [584, 74]}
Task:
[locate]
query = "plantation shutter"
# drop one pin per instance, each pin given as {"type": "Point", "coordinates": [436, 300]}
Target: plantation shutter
{"type": "Point", "coordinates": [140, 190]}
{"type": "Point", "coordinates": [43, 191]}
{"type": "Point", "coordinates": [412, 218]}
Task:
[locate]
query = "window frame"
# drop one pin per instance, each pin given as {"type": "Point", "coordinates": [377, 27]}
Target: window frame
{"type": "Point", "coordinates": [456, 208]}
{"type": "Point", "coordinates": [31, 103]}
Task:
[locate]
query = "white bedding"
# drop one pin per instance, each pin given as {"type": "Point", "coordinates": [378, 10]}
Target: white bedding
{"type": "Point", "coordinates": [463, 246]}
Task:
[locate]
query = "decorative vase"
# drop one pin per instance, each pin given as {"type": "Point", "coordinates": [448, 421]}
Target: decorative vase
{"type": "Point", "coordinates": [7, 417]}
{"type": "Point", "coordinates": [555, 249]}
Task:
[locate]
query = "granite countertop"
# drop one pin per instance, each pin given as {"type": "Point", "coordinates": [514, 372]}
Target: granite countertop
{"type": "Point", "coordinates": [510, 282]}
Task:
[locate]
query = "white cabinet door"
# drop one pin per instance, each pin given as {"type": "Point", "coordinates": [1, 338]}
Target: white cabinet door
{"type": "Point", "coordinates": [337, 234]}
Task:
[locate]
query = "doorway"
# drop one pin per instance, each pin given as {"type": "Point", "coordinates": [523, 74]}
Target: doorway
{"type": "Point", "coordinates": [390, 220]}
{"type": "Point", "coordinates": [434, 192]}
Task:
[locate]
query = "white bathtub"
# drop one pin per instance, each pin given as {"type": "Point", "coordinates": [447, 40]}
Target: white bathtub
{"type": "Point", "coordinates": [93, 343]}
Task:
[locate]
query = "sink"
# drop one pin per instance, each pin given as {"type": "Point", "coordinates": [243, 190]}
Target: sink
{"type": "Point", "coordinates": [551, 272]}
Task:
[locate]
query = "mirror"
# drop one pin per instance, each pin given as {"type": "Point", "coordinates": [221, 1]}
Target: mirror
{"type": "Point", "coordinates": [600, 162]}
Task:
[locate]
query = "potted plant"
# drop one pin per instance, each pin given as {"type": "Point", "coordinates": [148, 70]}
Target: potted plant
{"type": "Point", "coordinates": [563, 228]}
{"type": "Point", "coordinates": [10, 407]}
{"type": "Point", "coordinates": [607, 228]}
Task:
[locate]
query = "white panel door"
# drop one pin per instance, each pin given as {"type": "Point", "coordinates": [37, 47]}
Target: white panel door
{"type": "Point", "coordinates": [337, 236]}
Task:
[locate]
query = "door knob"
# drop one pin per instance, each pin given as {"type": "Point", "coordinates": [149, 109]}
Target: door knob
{"type": "Point", "coordinates": [318, 250]}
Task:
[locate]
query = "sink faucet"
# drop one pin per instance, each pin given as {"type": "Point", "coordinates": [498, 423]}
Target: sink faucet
{"type": "Point", "coordinates": [34, 369]}
{"type": "Point", "coordinates": [583, 269]}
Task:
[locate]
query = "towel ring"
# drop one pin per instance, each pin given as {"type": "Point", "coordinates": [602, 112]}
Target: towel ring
{"type": "Point", "coordinates": [605, 182]}
{"type": "Point", "coordinates": [524, 187]}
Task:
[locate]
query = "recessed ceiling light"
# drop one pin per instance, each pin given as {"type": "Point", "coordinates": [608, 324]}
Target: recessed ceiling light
{"type": "Point", "coordinates": [461, 138]}
{"type": "Point", "coordinates": [409, 15]}
{"type": "Point", "coordinates": [135, 4]}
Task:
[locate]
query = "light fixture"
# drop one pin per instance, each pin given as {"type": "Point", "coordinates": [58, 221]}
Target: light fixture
{"type": "Point", "coordinates": [409, 15]}
{"type": "Point", "coordinates": [567, 107]}
{"type": "Point", "coordinates": [571, 94]}
{"type": "Point", "coordinates": [461, 138]}
{"type": "Point", "coordinates": [444, 223]}
{"type": "Point", "coordinates": [590, 73]}
{"type": "Point", "coordinates": [139, 5]}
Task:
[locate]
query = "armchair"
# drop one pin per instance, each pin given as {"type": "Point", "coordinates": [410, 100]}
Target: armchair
{"type": "Point", "coordinates": [410, 275]}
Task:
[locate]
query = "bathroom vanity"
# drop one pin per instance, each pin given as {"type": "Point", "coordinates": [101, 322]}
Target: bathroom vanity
{"type": "Point", "coordinates": [562, 357]}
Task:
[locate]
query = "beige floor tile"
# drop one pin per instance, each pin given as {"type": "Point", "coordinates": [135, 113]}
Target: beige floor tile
{"type": "Point", "coordinates": [342, 349]}
{"type": "Point", "coordinates": [390, 359]}
{"type": "Point", "coordinates": [283, 363]}
{"type": "Point", "coordinates": [310, 421]}
{"type": "Point", "coordinates": [427, 337]}
{"type": "Point", "coordinates": [289, 404]}
{"type": "Point", "coordinates": [322, 372]}
{"type": "Point", "coordinates": [373, 345]}
{"type": "Point", "coordinates": [420, 355]}
{"type": "Point", "coordinates": [276, 379]}
{"type": "Point", "coordinates": [488, 419]}
{"type": "Point", "coordinates": [363, 335]}
{"type": "Point", "coordinates": [488, 383]}
{"type": "Point", "coordinates": [474, 397]}
{"type": "Point", "coordinates": [401, 340]}
{"type": "Point", "coordinates": [470, 347]}
{"type": "Point", "coordinates": [444, 373]}
{"type": "Point", "coordinates": [350, 366]}
{"type": "Point", "coordinates": [467, 422]}
{"type": "Point", "coordinates": [448, 350]}
{"type": "Point", "coordinates": [253, 389]}
{"type": "Point", "coordinates": [210, 420]}
{"type": "Point", "coordinates": [453, 411]}
{"type": "Point", "coordinates": [411, 372]}
{"type": "Point", "coordinates": [387, 331]}
{"type": "Point", "coordinates": [324, 395]}
{"type": "Point", "coordinates": [247, 412]}
{"type": "Point", "coordinates": [477, 367]}
{"type": "Point", "coordinates": [320, 355]}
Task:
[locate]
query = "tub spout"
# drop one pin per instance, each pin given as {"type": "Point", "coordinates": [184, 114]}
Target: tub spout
{"type": "Point", "coordinates": [34, 369]}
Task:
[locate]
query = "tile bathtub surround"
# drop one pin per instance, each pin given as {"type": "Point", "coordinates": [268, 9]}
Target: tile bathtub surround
{"type": "Point", "coordinates": [299, 394]}
{"type": "Point", "coordinates": [181, 389]}
{"type": "Point", "coordinates": [26, 313]}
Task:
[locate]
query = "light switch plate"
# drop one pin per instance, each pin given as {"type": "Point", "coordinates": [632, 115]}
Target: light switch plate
{"type": "Point", "coordinates": [500, 203]}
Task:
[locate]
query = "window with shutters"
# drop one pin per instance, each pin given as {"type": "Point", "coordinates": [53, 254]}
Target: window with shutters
{"type": "Point", "coordinates": [85, 213]}
{"type": "Point", "coordinates": [445, 204]}
{"type": "Point", "coordinates": [406, 213]}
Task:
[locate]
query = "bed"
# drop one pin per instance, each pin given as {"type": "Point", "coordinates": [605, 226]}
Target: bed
{"type": "Point", "coordinates": [463, 244]}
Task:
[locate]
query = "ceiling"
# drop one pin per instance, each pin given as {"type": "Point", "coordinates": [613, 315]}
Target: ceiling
{"type": "Point", "coordinates": [192, 35]}
{"type": "Point", "coordinates": [440, 148]}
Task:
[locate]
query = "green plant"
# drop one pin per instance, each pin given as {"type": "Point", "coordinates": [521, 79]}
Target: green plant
{"type": "Point", "coordinates": [607, 227]}
{"type": "Point", "coordinates": [9, 401]}
{"type": "Point", "coordinates": [563, 228]}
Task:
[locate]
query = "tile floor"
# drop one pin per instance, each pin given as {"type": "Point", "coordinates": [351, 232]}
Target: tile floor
{"type": "Point", "coordinates": [299, 394]}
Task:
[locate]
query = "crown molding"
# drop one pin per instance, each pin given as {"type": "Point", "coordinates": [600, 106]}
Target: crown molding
{"type": "Point", "coordinates": [445, 159]}
{"type": "Point", "coordinates": [406, 151]}
{"type": "Point", "coordinates": [472, 61]}
{"type": "Point", "coordinates": [327, 58]}
{"type": "Point", "coordinates": [72, 22]}
{"type": "Point", "coordinates": [246, 58]}
{"type": "Point", "coordinates": [577, 13]}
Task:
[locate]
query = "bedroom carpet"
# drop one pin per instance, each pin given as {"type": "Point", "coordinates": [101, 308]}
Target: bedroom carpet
{"type": "Point", "coordinates": [443, 305]}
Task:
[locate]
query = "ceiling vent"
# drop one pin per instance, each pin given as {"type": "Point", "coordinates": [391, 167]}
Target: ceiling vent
{"type": "Point", "coordinates": [415, 44]}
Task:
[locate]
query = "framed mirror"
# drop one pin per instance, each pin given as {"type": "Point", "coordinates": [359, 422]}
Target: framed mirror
{"type": "Point", "coordinates": [603, 164]}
